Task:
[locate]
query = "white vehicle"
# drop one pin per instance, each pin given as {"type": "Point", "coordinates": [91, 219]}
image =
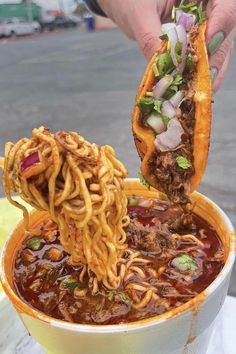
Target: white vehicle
{"type": "Point", "coordinates": [18, 27]}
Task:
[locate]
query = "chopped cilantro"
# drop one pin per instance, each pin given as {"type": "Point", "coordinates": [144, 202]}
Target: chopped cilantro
{"type": "Point", "coordinates": [201, 14]}
{"type": "Point", "coordinates": [73, 285]}
{"type": "Point", "coordinates": [146, 104]}
{"type": "Point", "coordinates": [190, 65]}
{"type": "Point", "coordinates": [69, 282]}
{"type": "Point", "coordinates": [183, 162]}
{"type": "Point", "coordinates": [34, 243]}
{"type": "Point", "coordinates": [98, 307]}
{"type": "Point", "coordinates": [164, 63]}
{"type": "Point", "coordinates": [143, 180]}
{"type": "Point", "coordinates": [149, 104]}
{"type": "Point", "coordinates": [178, 52]}
{"type": "Point", "coordinates": [158, 106]}
{"type": "Point", "coordinates": [111, 295]}
{"type": "Point", "coordinates": [174, 87]}
{"type": "Point", "coordinates": [184, 263]}
{"type": "Point", "coordinates": [121, 295]}
{"type": "Point", "coordinates": [166, 120]}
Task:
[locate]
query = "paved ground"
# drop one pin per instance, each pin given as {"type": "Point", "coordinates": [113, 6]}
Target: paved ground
{"type": "Point", "coordinates": [86, 82]}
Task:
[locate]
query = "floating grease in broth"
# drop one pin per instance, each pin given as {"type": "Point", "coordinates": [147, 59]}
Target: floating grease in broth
{"type": "Point", "coordinates": [171, 256]}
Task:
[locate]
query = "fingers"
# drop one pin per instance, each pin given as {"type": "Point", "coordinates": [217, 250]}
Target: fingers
{"type": "Point", "coordinates": [146, 26]}
{"type": "Point", "coordinates": [219, 74]}
{"type": "Point", "coordinates": [221, 22]}
{"type": "Point", "coordinates": [218, 58]}
{"type": "Point", "coordinates": [139, 20]}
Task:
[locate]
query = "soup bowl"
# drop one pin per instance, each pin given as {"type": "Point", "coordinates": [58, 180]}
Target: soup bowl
{"type": "Point", "coordinates": [185, 329]}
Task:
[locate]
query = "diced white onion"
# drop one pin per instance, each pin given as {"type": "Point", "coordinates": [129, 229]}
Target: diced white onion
{"type": "Point", "coordinates": [182, 37]}
{"type": "Point", "coordinates": [146, 203]}
{"type": "Point", "coordinates": [178, 15]}
{"type": "Point", "coordinates": [173, 39]}
{"type": "Point", "coordinates": [156, 123]}
{"type": "Point", "coordinates": [162, 85]}
{"type": "Point", "coordinates": [167, 26]}
{"type": "Point", "coordinates": [168, 109]}
{"type": "Point", "coordinates": [185, 19]}
{"type": "Point", "coordinates": [171, 138]}
{"type": "Point", "coordinates": [177, 34]}
{"type": "Point", "coordinates": [177, 98]}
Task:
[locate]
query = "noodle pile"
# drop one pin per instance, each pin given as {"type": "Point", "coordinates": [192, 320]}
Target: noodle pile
{"type": "Point", "coordinates": [81, 185]}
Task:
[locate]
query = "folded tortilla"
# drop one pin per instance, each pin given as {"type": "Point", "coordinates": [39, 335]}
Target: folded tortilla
{"type": "Point", "coordinates": [143, 135]}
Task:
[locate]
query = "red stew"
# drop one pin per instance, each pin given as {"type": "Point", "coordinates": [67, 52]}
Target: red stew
{"type": "Point", "coordinates": [183, 266]}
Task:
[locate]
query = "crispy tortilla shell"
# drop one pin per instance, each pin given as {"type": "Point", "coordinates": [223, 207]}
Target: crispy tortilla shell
{"type": "Point", "coordinates": [144, 137]}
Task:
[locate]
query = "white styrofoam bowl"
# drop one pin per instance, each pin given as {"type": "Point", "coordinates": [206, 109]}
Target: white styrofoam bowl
{"type": "Point", "coordinates": [186, 329]}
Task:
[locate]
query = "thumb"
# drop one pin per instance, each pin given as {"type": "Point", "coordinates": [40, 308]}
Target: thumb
{"type": "Point", "coordinates": [146, 28]}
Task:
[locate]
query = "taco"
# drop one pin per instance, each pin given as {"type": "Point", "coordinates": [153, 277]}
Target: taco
{"type": "Point", "coordinates": [171, 121]}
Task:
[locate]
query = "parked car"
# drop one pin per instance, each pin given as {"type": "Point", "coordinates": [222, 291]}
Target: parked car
{"type": "Point", "coordinates": [18, 27]}
{"type": "Point", "coordinates": [64, 22]}
{"type": "Point", "coordinates": [1, 29]}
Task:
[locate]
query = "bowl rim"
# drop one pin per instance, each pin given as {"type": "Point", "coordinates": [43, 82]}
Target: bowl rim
{"type": "Point", "coordinates": [137, 325]}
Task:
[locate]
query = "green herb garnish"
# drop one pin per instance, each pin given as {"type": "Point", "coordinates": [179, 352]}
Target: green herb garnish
{"type": "Point", "coordinates": [201, 14]}
{"type": "Point", "coordinates": [183, 162]}
{"type": "Point", "coordinates": [111, 295]}
{"type": "Point", "coordinates": [73, 285]}
{"type": "Point", "coordinates": [190, 65]}
{"type": "Point", "coordinates": [184, 263]}
{"type": "Point", "coordinates": [158, 106]}
{"type": "Point", "coordinates": [143, 180]}
{"type": "Point", "coordinates": [34, 243]}
{"type": "Point", "coordinates": [166, 120]}
{"type": "Point", "coordinates": [98, 307]}
{"type": "Point", "coordinates": [164, 64]}
{"type": "Point", "coordinates": [178, 52]}
{"type": "Point", "coordinates": [149, 104]}
{"type": "Point", "coordinates": [174, 87]}
{"type": "Point", "coordinates": [146, 104]}
{"type": "Point", "coordinates": [121, 295]}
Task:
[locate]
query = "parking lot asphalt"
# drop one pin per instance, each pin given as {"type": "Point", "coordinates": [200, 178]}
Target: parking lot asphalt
{"type": "Point", "coordinates": [86, 82]}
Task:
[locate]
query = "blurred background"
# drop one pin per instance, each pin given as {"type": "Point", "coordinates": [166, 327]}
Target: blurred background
{"type": "Point", "coordinates": [63, 68]}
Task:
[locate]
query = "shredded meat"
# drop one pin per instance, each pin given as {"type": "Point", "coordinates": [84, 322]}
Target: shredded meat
{"type": "Point", "coordinates": [111, 314]}
{"type": "Point", "coordinates": [155, 238]}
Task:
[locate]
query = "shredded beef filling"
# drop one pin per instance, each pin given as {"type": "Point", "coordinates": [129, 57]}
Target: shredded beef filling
{"type": "Point", "coordinates": [174, 180]}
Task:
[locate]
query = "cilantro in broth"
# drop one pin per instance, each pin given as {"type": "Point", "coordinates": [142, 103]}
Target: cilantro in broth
{"type": "Point", "coordinates": [73, 285]}
{"type": "Point", "coordinates": [121, 295]}
{"type": "Point", "coordinates": [184, 263]}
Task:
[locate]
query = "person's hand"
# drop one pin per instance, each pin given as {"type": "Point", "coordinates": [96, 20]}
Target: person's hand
{"type": "Point", "coordinates": [141, 20]}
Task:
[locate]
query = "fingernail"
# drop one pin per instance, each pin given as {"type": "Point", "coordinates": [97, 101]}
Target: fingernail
{"type": "Point", "coordinates": [215, 42]}
{"type": "Point", "coordinates": [214, 73]}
